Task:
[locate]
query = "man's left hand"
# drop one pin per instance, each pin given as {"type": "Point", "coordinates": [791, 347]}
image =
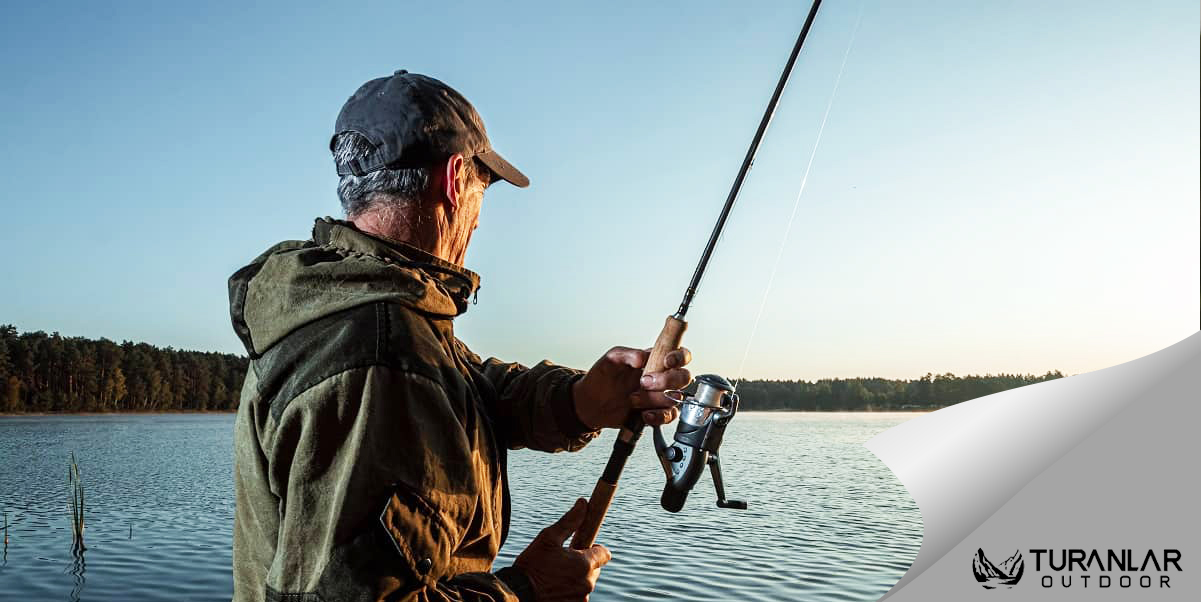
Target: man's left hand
{"type": "Point", "coordinates": [616, 385]}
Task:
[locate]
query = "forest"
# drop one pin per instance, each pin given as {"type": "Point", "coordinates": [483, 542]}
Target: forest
{"type": "Point", "coordinates": [929, 392]}
{"type": "Point", "coordinates": [42, 372]}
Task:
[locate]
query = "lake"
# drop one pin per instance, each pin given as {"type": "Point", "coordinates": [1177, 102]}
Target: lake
{"type": "Point", "coordinates": [826, 519]}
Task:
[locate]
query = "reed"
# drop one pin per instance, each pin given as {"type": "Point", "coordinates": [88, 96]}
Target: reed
{"type": "Point", "coordinates": [77, 503]}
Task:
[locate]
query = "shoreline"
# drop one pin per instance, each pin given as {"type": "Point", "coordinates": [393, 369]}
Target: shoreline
{"type": "Point", "coordinates": [882, 411]}
{"type": "Point", "coordinates": [132, 412]}
{"type": "Point", "coordinates": [170, 412]}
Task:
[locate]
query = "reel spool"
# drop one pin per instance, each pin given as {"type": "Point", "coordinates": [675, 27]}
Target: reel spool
{"type": "Point", "coordinates": [703, 420]}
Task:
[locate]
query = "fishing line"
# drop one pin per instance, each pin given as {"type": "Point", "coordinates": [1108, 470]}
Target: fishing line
{"type": "Point", "coordinates": [800, 192]}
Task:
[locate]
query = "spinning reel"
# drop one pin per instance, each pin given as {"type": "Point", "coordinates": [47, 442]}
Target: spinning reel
{"type": "Point", "coordinates": [703, 420]}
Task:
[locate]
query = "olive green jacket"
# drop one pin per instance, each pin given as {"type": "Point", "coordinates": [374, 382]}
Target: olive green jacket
{"type": "Point", "coordinates": [370, 442]}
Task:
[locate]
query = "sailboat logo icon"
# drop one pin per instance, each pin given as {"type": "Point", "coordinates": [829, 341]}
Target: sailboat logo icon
{"type": "Point", "coordinates": [991, 575]}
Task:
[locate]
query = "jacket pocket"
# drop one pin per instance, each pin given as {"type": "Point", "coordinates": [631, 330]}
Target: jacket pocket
{"type": "Point", "coordinates": [419, 532]}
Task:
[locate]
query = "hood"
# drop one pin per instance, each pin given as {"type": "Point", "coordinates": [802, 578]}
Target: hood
{"type": "Point", "coordinates": [296, 282]}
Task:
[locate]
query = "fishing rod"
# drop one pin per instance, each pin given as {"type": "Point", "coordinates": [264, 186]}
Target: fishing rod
{"type": "Point", "coordinates": [715, 403]}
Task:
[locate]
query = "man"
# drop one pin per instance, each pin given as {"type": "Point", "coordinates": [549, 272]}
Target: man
{"type": "Point", "coordinates": [370, 442]}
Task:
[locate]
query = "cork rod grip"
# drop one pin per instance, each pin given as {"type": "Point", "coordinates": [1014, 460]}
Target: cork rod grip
{"type": "Point", "coordinates": [668, 341]}
{"type": "Point", "coordinates": [598, 506]}
{"type": "Point", "coordinates": [602, 495]}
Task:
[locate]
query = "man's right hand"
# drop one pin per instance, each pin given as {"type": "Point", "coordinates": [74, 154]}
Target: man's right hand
{"type": "Point", "coordinates": [558, 573]}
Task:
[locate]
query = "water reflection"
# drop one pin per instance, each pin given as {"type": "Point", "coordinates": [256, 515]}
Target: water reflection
{"type": "Point", "coordinates": [78, 570]}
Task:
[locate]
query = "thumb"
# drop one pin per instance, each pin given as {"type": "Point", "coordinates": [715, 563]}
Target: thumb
{"type": "Point", "coordinates": [568, 523]}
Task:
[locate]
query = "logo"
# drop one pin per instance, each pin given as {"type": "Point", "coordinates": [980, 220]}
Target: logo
{"type": "Point", "coordinates": [1122, 568]}
{"type": "Point", "coordinates": [991, 576]}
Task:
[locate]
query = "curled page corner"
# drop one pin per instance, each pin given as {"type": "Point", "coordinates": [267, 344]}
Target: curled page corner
{"type": "Point", "coordinates": [964, 462]}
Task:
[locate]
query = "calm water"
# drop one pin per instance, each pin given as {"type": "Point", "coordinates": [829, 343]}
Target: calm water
{"type": "Point", "coordinates": [827, 520]}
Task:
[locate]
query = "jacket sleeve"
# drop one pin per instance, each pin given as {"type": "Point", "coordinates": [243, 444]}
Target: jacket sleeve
{"type": "Point", "coordinates": [372, 494]}
{"type": "Point", "coordinates": [534, 406]}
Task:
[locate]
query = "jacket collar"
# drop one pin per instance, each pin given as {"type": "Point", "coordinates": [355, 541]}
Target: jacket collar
{"type": "Point", "coordinates": [460, 284]}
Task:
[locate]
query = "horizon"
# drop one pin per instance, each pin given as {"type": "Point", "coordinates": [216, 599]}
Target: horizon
{"type": "Point", "coordinates": [123, 342]}
{"type": "Point", "coordinates": [997, 188]}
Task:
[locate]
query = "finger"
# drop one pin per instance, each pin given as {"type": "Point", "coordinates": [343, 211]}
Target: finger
{"type": "Point", "coordinates": [660, 417]}
{"type": "Point", "coordinates": [678, 358]}
{"type": "Point", "coordinates": [676, 378]}
{"type": "Point", "coordinates": [597, 556]}
{"type": "Point", "coordinates": [567, 524]}
{"type": "Point", "coordinates": [626, 356]}
{"type": "Point", "coordinates": [650, 400]}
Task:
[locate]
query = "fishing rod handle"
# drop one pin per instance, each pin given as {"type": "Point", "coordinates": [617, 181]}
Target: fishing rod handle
{"type": "Point", "coordinates": [598, 506]}
{"type": "Point", "coordinates": [668, 341]}
{"type": "Point", "coordinates": [606, 487]}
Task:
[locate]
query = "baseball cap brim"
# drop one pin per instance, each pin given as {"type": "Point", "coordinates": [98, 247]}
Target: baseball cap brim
{"type": "Point", "coordinates": [503, 168]}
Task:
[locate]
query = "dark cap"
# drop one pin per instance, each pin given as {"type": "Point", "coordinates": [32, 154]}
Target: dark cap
{"type": "Point", "coordinates": [414, 120]}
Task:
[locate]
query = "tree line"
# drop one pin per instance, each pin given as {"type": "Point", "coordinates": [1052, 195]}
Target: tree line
{"type": "Point", "coordinates": [878, 394]}
{"type": "Point", "coordinates": [42, 372]}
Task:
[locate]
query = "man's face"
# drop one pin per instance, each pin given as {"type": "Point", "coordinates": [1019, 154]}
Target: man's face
{"type": "Point", "coordinates": [467, 216]}
{"type": "Point", "coordinates": [475, 199]}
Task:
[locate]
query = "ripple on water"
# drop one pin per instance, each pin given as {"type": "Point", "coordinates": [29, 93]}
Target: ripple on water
{"type": "Point", "coordinates": [827, 520]}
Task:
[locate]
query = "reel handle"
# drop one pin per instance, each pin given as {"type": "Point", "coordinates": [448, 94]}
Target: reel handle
{"type": "Point", "coordinates": [602, 495]}
{"type": "Point", "coordinates": [719, 485]}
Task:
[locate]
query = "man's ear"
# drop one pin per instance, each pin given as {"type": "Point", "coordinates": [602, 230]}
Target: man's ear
{"type": "Point", "coordinates": [453, 183]}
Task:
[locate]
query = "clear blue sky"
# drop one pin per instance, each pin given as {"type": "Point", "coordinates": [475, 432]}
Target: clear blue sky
{"type": "Point", "coordinates": [1002, 186]}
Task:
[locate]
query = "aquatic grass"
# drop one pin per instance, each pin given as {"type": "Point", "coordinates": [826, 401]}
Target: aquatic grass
{"type": "Point", "coordinates": [77, 504]}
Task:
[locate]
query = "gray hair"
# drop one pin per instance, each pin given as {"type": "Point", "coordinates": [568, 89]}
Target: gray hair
{"type": "Point", "coordinates": [401, 188]}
